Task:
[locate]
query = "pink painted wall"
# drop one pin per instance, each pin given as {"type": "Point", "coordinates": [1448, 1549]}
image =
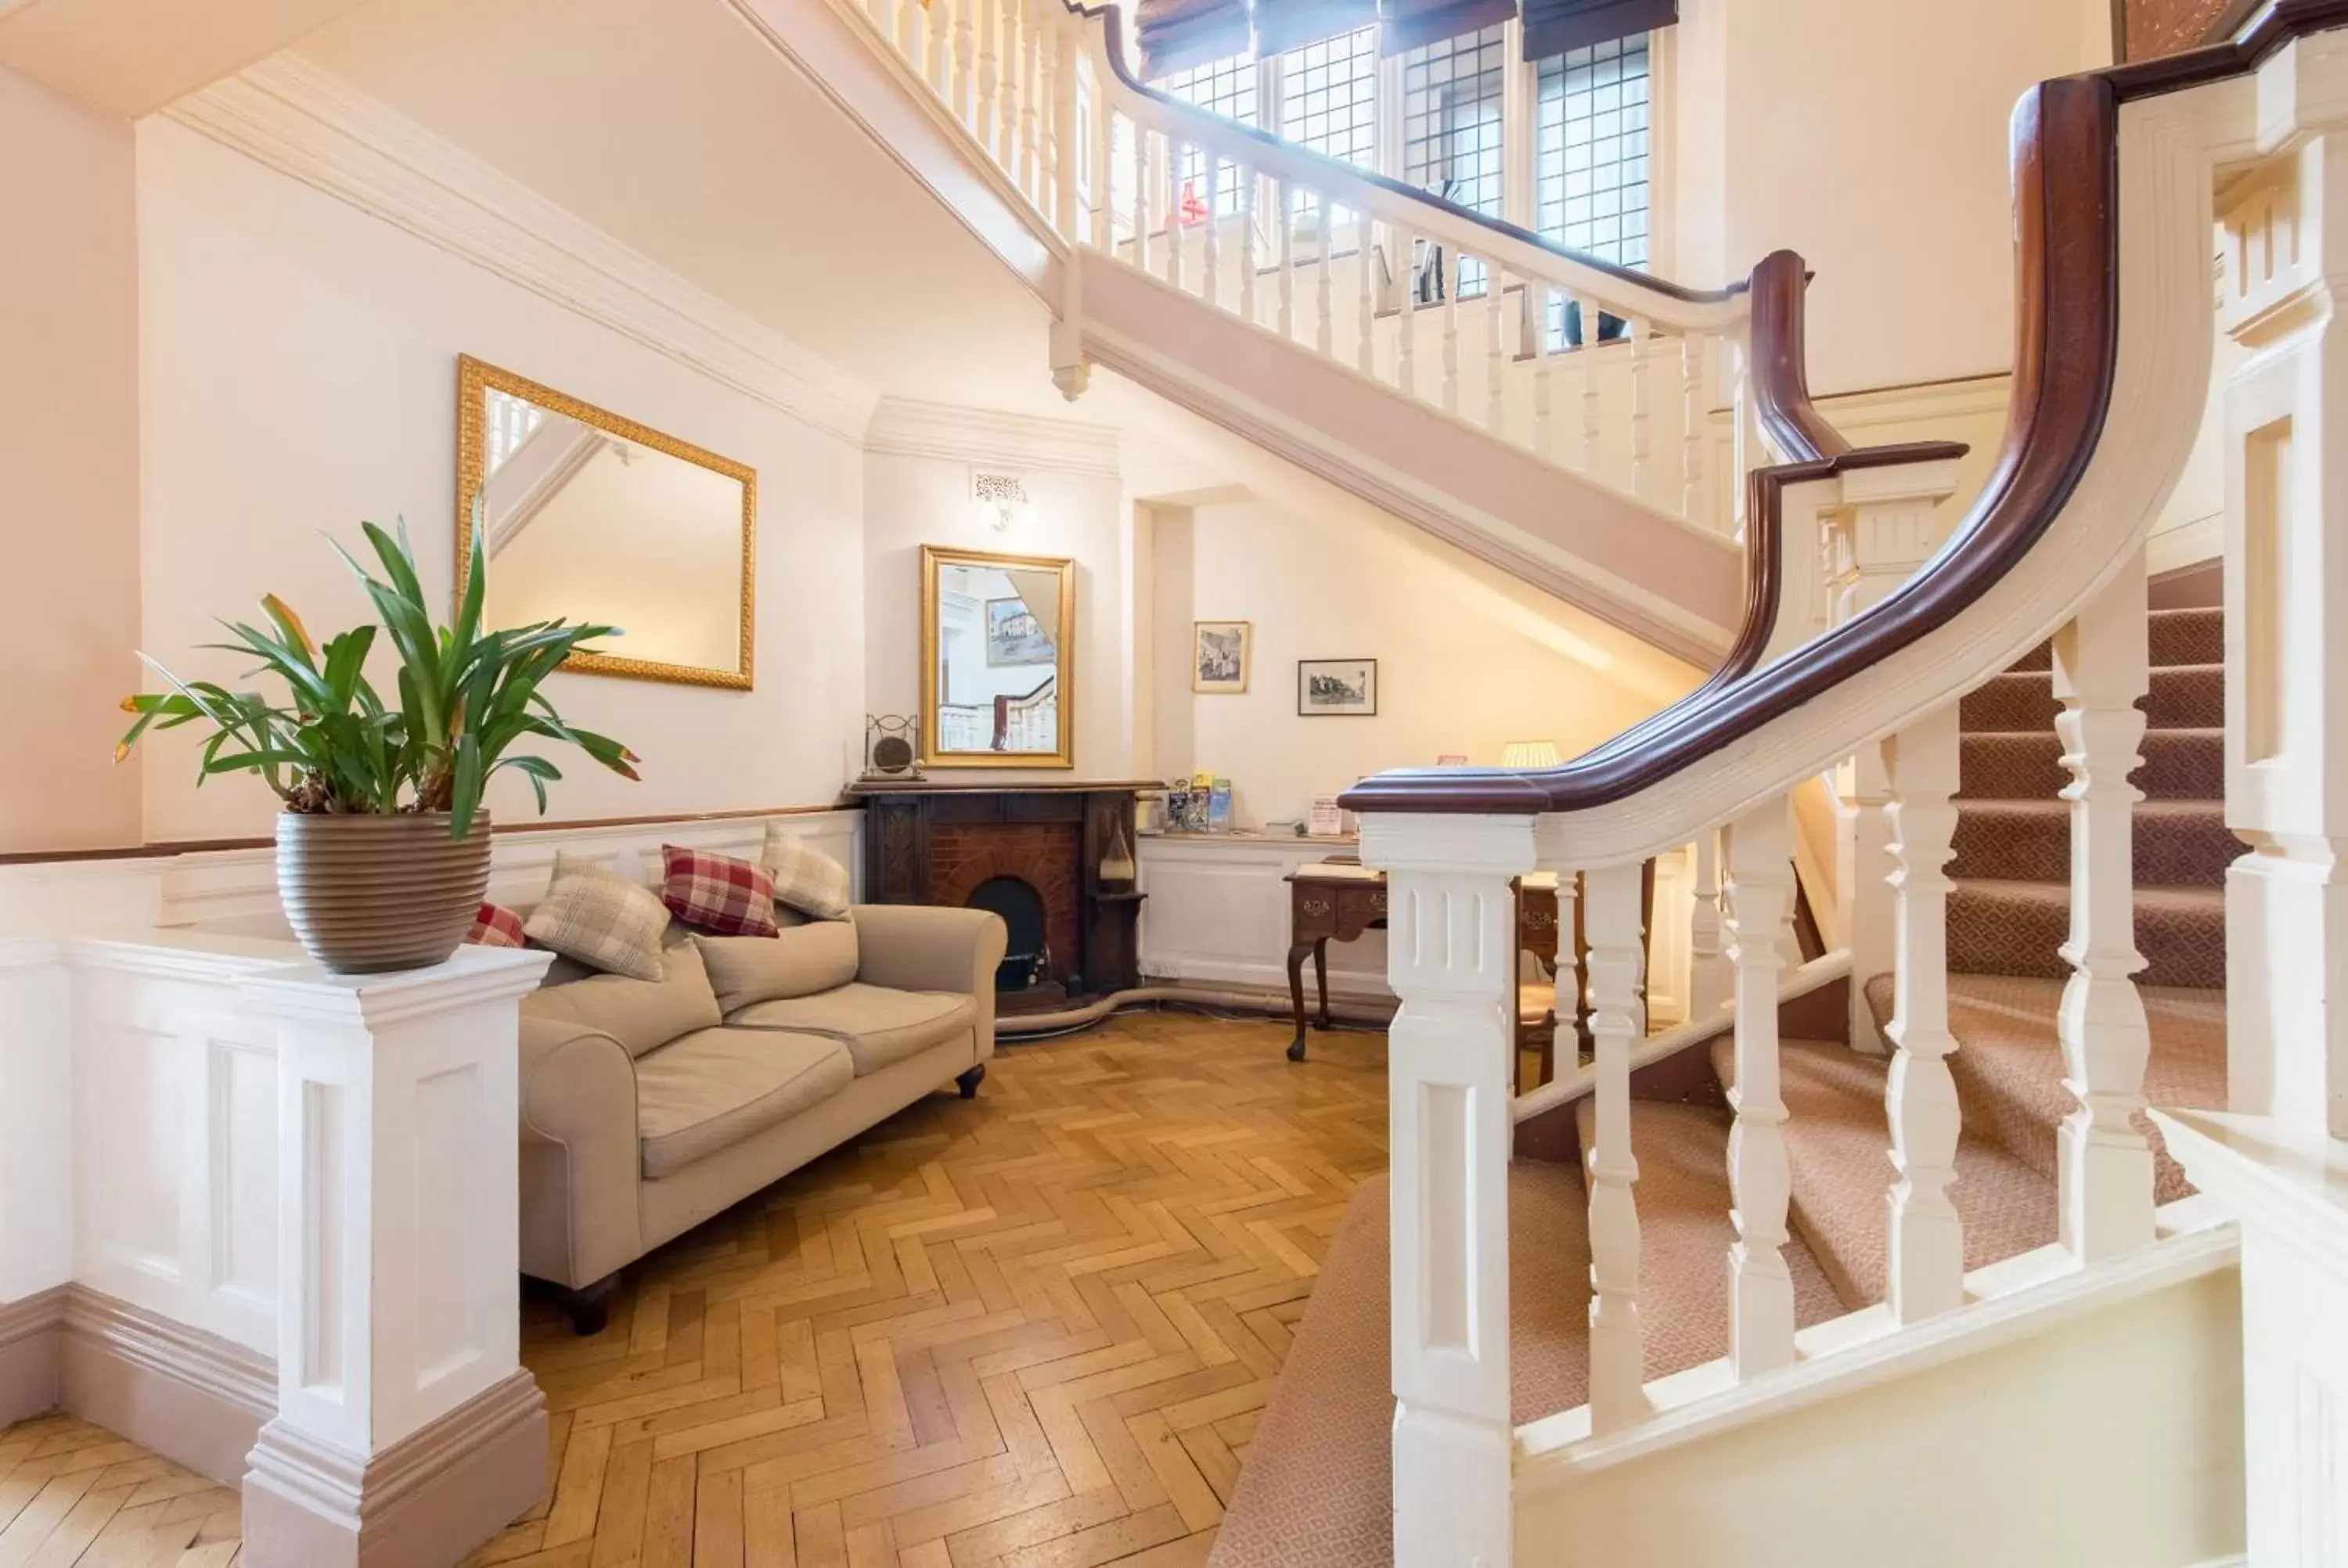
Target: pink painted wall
{"type": "Point", "coordinates": [69, 602]}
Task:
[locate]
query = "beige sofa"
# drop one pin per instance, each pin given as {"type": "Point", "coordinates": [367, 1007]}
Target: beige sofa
{"type": "Point", "coordinates": [647, 1107]}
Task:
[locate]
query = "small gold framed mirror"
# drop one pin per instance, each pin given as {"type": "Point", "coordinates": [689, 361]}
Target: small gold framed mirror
{"type": "Point", "coordinates": [998, 661]}
{"type": "Point", "coordinates": [592, 516]}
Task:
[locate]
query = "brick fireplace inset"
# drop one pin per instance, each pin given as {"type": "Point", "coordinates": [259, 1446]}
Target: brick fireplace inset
{"type": "Point", "coordinates": [930, 843]}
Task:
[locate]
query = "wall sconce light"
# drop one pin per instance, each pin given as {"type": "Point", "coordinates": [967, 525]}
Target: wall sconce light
{"type": "Point", "coordinates": [1528, 755]}
{"type": "Point", "coordinates": [1001, 500]}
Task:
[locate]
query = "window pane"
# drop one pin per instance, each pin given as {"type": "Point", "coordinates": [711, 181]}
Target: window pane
{"type": "Point", "coordinates": [1589, 160]}
{"type": "Point", "coordinates": [1451, 129]}
{"type": "Point", "coordinates": [1228, 87]}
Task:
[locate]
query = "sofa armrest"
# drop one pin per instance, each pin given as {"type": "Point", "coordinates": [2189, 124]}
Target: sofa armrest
{"type": "Point", "coordinates": [921, 947]}
{"type": "Point", "coordinates": [580, 1158]}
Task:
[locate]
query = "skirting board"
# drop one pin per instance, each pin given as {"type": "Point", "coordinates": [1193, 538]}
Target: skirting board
{"type": "Point", "coordinates": [193, 1397]}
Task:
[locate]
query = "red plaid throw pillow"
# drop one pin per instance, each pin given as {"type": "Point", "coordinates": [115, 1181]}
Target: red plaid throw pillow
{"type": "Point", "coordinates": [496, 926]}
{"type": "Point", "coordinates": [717, 892]}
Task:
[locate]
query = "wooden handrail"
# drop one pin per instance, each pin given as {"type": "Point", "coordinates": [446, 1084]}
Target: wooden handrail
{"type": "Point", "coordinates": [2065, 140]}
{"type": "Point", "coordinates": [2067, 351]}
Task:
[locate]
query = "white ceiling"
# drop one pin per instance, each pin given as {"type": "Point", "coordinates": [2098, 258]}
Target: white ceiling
{"type": "Point", "coordinates": [672, 126]}
{"type": "Point", "coordinates": [128, 56]}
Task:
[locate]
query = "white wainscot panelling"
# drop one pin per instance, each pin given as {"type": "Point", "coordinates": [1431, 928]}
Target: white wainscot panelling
{"type": "Point", "coordinates": [174, 1130]}
{"type": "Point", "coordinates": [1217, 914]}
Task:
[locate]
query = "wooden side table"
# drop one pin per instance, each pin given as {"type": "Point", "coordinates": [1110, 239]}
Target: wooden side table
{"type": "Point", "coordinates": [1333, 901]}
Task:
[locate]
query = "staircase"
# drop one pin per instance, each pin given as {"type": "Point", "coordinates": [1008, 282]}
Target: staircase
{"type": "Point", "coordinates": [1280, 304]}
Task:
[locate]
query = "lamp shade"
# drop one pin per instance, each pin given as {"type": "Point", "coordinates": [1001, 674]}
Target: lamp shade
{"type": "Point", "coordinates": [1528, 755]}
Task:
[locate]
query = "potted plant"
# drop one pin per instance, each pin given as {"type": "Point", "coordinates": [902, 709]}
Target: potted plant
{"type": "Point", "coordinates": [383, 852]}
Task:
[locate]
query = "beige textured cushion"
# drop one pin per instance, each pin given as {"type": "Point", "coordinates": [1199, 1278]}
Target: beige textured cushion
{"type": "Point", "coordinates": [717, 1087]}
{"type": "Point", "coordinates": [642, 1015]}
{"type": "Point", "coordinates": [600, 917]}
{"type": "Point", "coordinates": [806, 878]}
{"type": "Point", "coordinates": [879, 1027]}
{"type": "Point", "coordinates": [807, 959]}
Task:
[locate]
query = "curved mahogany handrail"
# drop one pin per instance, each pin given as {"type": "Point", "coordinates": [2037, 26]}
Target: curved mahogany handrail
{"type": "Point", "coordinates": [1113, 20]}
{"type": "Point", "coordinates": [2067, 340]}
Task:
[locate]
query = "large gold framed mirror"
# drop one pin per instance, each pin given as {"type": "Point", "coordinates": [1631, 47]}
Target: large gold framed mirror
{"type": "Point", "coordinates": [592, 516]}
{"type": "Point", "coordinates": [998, 661]}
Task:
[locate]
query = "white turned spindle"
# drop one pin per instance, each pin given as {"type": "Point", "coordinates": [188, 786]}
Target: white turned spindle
{"type": "Point", "coordinates": [1641, 433]}
{"type": "Point", "coordinates": [2102, 670]}
{"type": "Point", "coordinates": [1926, 1265]}
{"type": "Point", "coordinates": [1324, 330]}
{"type": "Point", "coordinates": [911, 15]}
{"type": "Point", "coordinates": [1365, 312]}
{"type": "Point", "coordinates": [1708, 987]}
{"type": "Point", "coordinates": [1544, 426]}
{"type": "Point", "coordinates": [1101, 197]}
{"type": "Point", "coordinates": [1610, 919]}
{"type": "Point", "coordinates": [1284, 214]}
{"type": "Point", "coordinates": [968, 34]}
{"type": "Point", "coordinates": [1175, 211]}
{"type": "Point", "coordinates": [885, 20]}
{"type": "Point", "coordinates": [1406, 360]}
{"type": "Point", "coordinates": [1760, 913]}
{"type": "Point", "coordinates": [1056, 174]}
{"type": "Point", "coordinates": [1692, 498]}
{"type": "Point", "coordinates": [1008, 103]}
{"type": "Point", "coordinates": [1142, 181]}
{"type": "Point", "coordinates": [937, 25]}
{"type": "Point", "coordinates": [1586, 358]}
{"type": "Point", "coordinates": [1495, 354]}
{"type": "Point", "coordinates": [1248, 185]}
{"type": "Point", "coordinates": [1448, 278]}
{"type": "Point", "coordinates": [1211, 253]}
{"type": "Point", "coordinates": [1451, 958]}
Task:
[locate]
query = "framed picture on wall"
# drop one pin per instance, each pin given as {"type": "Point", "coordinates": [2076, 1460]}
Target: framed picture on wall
{"type": "Point", "coordinates": [1218, 656]}
{"type": "Point", "coordinates": [1015, 636]}
{"type": "Point", "coordinates": [1336, 688]}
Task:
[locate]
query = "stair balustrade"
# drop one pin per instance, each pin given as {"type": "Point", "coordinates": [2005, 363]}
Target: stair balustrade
{"type": "Point", "coordinates": [1636, 383]}
{"type": "Point", "coordinates": [2118, 185]}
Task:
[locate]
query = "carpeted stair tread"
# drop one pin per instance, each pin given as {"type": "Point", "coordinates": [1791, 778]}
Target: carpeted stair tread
{"type": "Point", "coordinates": [2028, 764]}
{"type": "Point", "coordinates": [2017, 928]}
{"type": "Point", "coordinates": [1317, 1489]}
{"type": "Point", "coordinates": [1685, 1233]}
{"type": "Point", "coordinates": [2009, 1063]}
{"type": "Point", "coordinates": [2177, 842]}
{"type": "Point", "coordinates": [2192, 636]}
{"type": "Point", "coordinates": [2183, 697]}
{"type": "Point", "coordinates": [1838, 1148]}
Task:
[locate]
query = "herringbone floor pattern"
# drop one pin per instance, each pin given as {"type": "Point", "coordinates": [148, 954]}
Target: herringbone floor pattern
{"type": "Point", "coordinates": [1036, 1328]}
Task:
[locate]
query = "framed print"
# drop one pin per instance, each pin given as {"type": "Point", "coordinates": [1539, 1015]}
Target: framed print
{"type": "Point", "coordinates": [1336, 688]}
{"type": "Point", "coordinates": [1016, 635]}
{"type": "Point", "coordinates": [1218, 656]}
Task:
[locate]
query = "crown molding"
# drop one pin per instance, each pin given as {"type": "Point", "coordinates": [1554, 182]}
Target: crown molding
{"type": "Point", "coordinates": [906, 427]}
{"type": "Point", "coordinates": [304, 122]}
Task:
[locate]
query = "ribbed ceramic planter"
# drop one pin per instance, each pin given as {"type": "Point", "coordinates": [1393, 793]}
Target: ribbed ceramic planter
{"type": "Point", "coordinates": [369, 894]}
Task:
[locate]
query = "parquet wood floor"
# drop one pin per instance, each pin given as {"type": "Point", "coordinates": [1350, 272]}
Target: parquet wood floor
{"type": "Point", "coordinates": [1036, 1328]}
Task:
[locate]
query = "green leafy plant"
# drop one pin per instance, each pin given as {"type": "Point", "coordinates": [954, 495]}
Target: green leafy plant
{"type": "Point", "coordinates": [466, 696]}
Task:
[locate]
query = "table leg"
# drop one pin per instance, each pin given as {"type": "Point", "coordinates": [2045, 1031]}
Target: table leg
{"type": "Point", "coordinates": [1321, 979]}
{"type": "Point", "coordinates": [1296, 951]}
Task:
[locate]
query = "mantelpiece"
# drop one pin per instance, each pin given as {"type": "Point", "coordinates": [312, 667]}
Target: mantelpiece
{"type": "Point", "coordinates": [1055, 859]}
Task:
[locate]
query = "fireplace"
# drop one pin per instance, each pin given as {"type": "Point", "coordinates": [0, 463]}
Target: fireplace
{"type": "Point", "coordinates": [1027, 955]}
{"type": "Point", "coordinates": [1056, 861]}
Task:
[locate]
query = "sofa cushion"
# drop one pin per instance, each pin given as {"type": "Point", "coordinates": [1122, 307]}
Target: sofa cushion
{"type": "Point", "coordinates": [815, 957]}
{"type": "Point", "coordinates": [495, 926]}
{"type": "Point", "coordinates": [806, 878]}
{"type": "Point", "coordinates": [879, 1027]}
{"type": "Point", "coordinates": [717, 892]}
{"type": "Point", "coordinates": [642, 1015]}
{"type": "Point", "coordinates": [600, 917]}
{"type": "Point", "coordinates": [717, 1086]}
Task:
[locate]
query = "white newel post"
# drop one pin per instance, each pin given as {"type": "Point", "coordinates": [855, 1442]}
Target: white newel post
{"type": "Point", "coordinates": [2102, 670]}
{"type": "Point", "coordinates": [406, 1428]}
{"type": "Point", "coordinates": [1924, 1239]}
{"type": "Point", "coordinates": [1451, 958]}
{"type": "Point", "coordinates": [1761, 908]}
{"type": "Point", "coordinates": [2287, 640]}
{"type": "Point", "coordinates": [1884, 528]}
